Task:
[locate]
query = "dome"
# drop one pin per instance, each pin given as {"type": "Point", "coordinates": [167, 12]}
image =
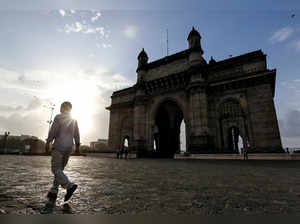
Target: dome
{"type": "Point", "coordinates": [194, 33]}
{"type": "Point", "coordinates": [142, 54]}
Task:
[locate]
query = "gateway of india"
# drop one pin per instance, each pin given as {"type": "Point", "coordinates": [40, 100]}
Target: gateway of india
{"type": "Point", "coordinates": [222, 103]}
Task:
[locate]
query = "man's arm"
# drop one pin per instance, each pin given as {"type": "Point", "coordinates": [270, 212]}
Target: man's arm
{"type": "Point", "coordinates": [53, 131]}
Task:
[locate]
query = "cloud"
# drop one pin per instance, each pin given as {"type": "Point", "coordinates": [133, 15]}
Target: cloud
{"type": "Point", "coordinates": [290, 125]}
{"type": "Point", "coordinates": [34, 103]}
{"type": "Point", "coordinates": [282, 34]}
{"type": "Point", "coordinates": [131, 31]}
{"type": "Point", "coordinates": [25, 81]}
{"type": "Point", "coordinates": [31, 124]}
{"type": "Point", "coordinates": [290, 142]}
{"type": "Point", "coordinates": [84, 22]}
{"type": "Point", "coordinates": [297, 45]}
{"type": "Point", "coordinates": [96, 17]}
{"type": "Point", "coordinates": [62, 12]}
{"type": "Point", "coordinates": [25, 119]}
{"type": "Point", "coordinates": [89, 89]}
{"type": "Point", "coordinates": [5, 108]}
{"type": "Point", "coordinates": [95, 30]}
{"type": "Point", "coordinates": [73, 28]}
{"type": "Point", "coordinates": [106, 45]}
{"type": "Point", "coordinates": [84, 28]}
{"type": "Point", "coordinates": [292, 84]}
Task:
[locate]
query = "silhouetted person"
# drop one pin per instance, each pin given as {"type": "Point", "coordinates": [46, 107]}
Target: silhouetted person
{"type": "Point", "coordinates": [121, 152]}
{"type": "Point", "coordinates": [245, 151]}
{"type": "Point", "coordinates": [287, 150]}
{"type": "Point", "coordinates": [63, 130]}
{"type": "Point", "coordinates": [126, 152]}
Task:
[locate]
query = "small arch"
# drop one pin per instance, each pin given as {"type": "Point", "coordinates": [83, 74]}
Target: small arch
{"type": "Point", "coordinates": [182, 136]}
{"type": "Point", "coordinates": [126, 131]}
{"type": "Point", "coordinates": [125, 146]}
{"type": "Point", "coordinates": [233, 139]}
{"type": "Point", "coordinates": [240, 144]}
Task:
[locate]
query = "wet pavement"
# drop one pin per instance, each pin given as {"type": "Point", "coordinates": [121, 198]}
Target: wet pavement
{"type": "Point", "coordinates": [148, 186]}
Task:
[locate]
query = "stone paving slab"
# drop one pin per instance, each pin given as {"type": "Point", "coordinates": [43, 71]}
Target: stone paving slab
{"type": "Point", "coordinates": [149, 186]}
{"type": "Point", "coordinates": [251, 156]}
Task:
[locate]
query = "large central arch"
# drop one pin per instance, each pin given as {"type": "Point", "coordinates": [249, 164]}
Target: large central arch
{"type": "Point", "coordinates": [168, 118]}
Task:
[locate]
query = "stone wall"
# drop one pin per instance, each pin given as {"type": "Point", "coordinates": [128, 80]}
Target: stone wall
{"type": "Point", "coordinates": [167, 69]}
{"type": "Point", "coordinates": [263, 117]}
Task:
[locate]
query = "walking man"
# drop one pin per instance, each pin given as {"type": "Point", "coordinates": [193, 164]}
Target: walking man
{"type": "Point", "coordinates": [63, 130]}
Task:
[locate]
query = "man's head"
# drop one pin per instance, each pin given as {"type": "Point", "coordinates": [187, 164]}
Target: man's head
{"type": "Point", "coordinates": [66, 107]}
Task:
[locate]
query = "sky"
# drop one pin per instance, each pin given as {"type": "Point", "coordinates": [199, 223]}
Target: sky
{"type": "Point", "coordinates": [82, 51]}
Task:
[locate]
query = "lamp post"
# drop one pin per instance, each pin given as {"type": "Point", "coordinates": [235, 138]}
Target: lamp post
{"type": "Point", "coordinates": [51, 107]}
{"type": "Point", "coordinates": [6, 134]}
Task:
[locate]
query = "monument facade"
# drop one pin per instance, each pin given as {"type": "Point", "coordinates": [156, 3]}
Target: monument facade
{"type": "Point", "coordinates": [221, 103]}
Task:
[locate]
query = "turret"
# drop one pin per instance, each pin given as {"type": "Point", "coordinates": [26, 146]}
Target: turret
{"type": "Point", "coordinates": [142, 59]}
{"type": "Point", "coordinates": [196, 53]}
{"type": "Point", "coordinates": [194, 39]}
{"type": "Point", "coordinates": [142, 64]}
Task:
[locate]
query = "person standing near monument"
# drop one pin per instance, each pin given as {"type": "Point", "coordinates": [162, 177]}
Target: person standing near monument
{"type": "Point", "coordinates": [63, 130]}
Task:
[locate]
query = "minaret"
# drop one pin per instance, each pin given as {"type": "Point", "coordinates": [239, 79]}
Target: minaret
{"type": "Point", "coordinates": [194, 39]}
{"type": "Point", "coordinates": [142, 64]}
{"type": "Point", "coordinates": [139, 115]}
{"type": "Point", "coordinates": [198, 119]}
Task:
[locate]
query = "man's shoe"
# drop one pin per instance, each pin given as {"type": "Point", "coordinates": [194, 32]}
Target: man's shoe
{"type": "Point", "coordinates": [70, 192]}
{"type": "Point", "coordinates": [51, 196]}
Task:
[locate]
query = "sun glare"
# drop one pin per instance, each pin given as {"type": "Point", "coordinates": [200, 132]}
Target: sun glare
{"type": "Point", "coordinates": [82, 95]}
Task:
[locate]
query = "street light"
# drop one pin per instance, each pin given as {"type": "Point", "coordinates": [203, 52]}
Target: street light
{"type": "Point", "coordinates": [6, 134]}
{"type": "Point", "coordinates": [51, 107]}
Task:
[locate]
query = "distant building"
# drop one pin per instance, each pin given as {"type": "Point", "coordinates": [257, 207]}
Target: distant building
{"type": "Point", "coordinates": [22, 144]}
{"type": "Point", "coordinates": [93, 145]}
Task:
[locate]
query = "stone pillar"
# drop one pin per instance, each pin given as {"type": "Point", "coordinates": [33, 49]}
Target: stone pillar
{"type": "Point", "coordinates": [199, 138]}
{"type": "Point", "coordinates": [139, 123]}
{"type": "Point", "coordinates": [114, 130]}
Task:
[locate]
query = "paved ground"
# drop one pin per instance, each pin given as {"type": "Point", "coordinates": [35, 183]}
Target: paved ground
{"type": "Point", "coordinates": [111, 186]}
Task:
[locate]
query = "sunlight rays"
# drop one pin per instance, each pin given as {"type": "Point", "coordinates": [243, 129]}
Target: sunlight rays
{"type": "Point", "coordinates": [82, 94]}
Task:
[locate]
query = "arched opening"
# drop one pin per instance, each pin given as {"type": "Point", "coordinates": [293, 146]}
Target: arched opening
{"type": "Point", "coordinates": [125, 142]}
{"type": "Point", "coordinates": [125, 147]}
{"type": "Point", "coordinates": [182, 137]}
{"type": "Point", "coordinates": [233, 130]}
{"type": "Point", "coordinates": [155, 138]}
{"type": "Point", "coordinates": [233, 139]}
{"type": "Point", "coordinates": [126, 133]}
{"type": "Point", "coordinates": [240, 144]}
{"type": "Point", "coordinates": [168, 120]}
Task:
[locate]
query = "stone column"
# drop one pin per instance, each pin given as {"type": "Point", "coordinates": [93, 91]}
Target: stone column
{"type": "Point", "coordinates": [114, 130]}
{"type": "Point", "coordinates": [198, 119]}
{"type": "Point", "coordinates": [139, 122]}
